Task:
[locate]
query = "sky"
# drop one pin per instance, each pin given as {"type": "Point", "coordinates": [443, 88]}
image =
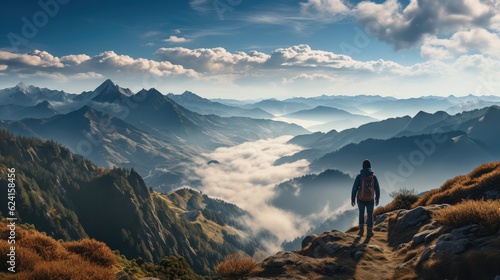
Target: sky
{"type": "Point", "coordinates": [249, 49]}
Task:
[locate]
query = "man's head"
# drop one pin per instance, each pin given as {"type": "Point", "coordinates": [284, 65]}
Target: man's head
{"type": "Point", "coordinates": [367, 164]}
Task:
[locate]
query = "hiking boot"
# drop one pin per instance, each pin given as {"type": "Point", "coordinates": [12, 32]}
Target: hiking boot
{"type": "Point", "coordinates": [370, 232]}
{"type": "Point", "coordinates": [361, 230]}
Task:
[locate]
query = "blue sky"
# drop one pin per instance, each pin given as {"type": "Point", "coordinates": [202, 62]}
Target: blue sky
{"type": "Point", "coordinates": [253, 48]}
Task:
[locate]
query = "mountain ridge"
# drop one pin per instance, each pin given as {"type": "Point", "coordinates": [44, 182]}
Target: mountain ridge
{"type": "Point", "coordinates": [70, 198]}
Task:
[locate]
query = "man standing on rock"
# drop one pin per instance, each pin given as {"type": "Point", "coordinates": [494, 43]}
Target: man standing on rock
{"type": "Point", "coordinates": [367, 190]}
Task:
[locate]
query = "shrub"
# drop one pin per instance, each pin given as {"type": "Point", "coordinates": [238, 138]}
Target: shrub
{"type": "Point", "coordinates": [235, 266]}
{"type": "Point", "coordinates": [484, 213]}
{"type": "Point", "coordinates": [92, 250]}
{"type": "Point", "coordinates": [403, 199]}
{"type": "Point", "coordinates": [47, 248]}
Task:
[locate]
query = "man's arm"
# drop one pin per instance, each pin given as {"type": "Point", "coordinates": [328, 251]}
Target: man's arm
{"type": "Point", "coordinates": [354, 190]}
{"type": "Point", "coordinates": [377, 191]}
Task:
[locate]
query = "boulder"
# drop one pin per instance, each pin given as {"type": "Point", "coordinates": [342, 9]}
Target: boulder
{"type": "Point", "coordinates": [419, 238]}
{"type": "Point", "coordinates": [413, 218]}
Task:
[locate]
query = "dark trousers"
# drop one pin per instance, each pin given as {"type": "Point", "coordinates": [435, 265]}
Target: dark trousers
{"type": "Point", "coordinates": [369, 211]}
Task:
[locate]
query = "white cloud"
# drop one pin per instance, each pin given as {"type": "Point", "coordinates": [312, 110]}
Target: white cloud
{"type": "Point", "coordinates": [36, 58]}
{"type": "Point", "coordinates": [75, 59]}
{"type": "Point", "coordinates": [175, 39]}
{"type": "Point", "coordinates": [477, 39]}
{"type": "Point", "coordinates": [309, 77]}
{"type": "Point", "coordinates": [405, 27]}
{"type": "Point", "coordinates": [81, 66]}
{"type": "Point", "coordinates": [3, 67]}
{"type": "Point", "coordinates": [87, 76]}
{"type": "Point", "coordinates": [246, 177]}
{"type": "Point", "coordinates": [476, 62]}
{"type": "Point", "coordinates": [294, 70]}
{"type": "Point", "coordinates": [212, 60]}
{"type": "Point", "coordinates": [331, 10]}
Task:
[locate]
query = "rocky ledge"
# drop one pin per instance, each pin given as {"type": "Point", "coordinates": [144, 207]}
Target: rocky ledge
{"type": "Point", "coordinates": [407, 244]}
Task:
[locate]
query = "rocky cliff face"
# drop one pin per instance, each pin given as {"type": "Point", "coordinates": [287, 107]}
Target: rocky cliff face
{"type": "Point", "coordinates": [408, 244]}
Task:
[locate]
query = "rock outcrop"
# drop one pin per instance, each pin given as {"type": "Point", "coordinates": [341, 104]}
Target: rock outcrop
{"type": "Point", "coordinates": [408, 244]}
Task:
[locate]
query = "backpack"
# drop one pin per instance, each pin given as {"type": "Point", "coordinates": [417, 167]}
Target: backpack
{"type": "Point", "coordinates": [366, 191]}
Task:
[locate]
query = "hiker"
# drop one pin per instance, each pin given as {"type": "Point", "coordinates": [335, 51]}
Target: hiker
{"type": "Point", "coordinates": [367, 190]}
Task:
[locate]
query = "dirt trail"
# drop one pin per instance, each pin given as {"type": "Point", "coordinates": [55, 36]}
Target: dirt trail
{"type": "Point", "coordinates": [379, 260]}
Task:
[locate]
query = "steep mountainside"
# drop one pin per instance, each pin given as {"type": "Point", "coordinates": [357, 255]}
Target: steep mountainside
{"type": "Point", "coordinates": [69, 197]}
{"type": "Point", "coordinates": [439, 237]}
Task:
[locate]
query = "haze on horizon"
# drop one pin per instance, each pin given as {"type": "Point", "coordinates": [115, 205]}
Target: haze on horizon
{"type": "Point", "coordinates": [255, 49]}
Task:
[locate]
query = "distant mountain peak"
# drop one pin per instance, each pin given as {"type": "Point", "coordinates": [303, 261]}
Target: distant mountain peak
{"type": "Point", "coordinates": [109, 92]}
{"type": "Point", "coordinates": [22, 86]}
{"type": "Point", "coordinates": [106, 84]}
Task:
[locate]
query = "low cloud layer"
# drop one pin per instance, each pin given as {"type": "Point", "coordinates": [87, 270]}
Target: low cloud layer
{"type": "Point", "coordinates": [246, 177]}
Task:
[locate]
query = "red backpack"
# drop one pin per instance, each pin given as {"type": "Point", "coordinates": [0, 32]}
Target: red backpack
{"type": "Point", "coordinates": [366, 191]}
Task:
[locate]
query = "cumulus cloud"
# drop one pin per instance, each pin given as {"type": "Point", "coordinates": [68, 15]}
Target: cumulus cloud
{"type": "Point", "coordinates": [212, 59]}
{"type": "Point", "coordinates": [175, 39]}
{"type": "Point", "coordinates": [36, 58]}
{"type": "Point", "coordinates": [3, 67]}
{"type": "Point", "coordinates": [477, 39]}
{"type": "Point", "coordinates": [405, 27]}
{"type": "Point", "coordinates": [295, 58]}
{"type": "Point", "coordinates": [246, 177]}
{"type": "Point", "coordinates": [81, 66]}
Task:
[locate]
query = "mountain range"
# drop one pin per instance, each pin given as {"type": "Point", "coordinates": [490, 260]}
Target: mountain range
{"type": "Point", "coordinates": [147, 130]}
{"type": "Point", "coordinates": [398, 147]}
{"type": "Point", "coordinates": [119, 158]}
{"type": "Point", "coordinates": [70, 198]}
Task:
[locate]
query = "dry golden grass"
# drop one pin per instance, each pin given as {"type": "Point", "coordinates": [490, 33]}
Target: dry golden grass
{"type": "Point", "coordinates": [484, 213]}
{"type": "Point", "coordinates": [235, 266]}
{"type": "Point", "coordinates": [470, 186]}
{"type": "Point", "coordinates": [73, 268]}
{"type": "Point", "coordinates": [92, 250]}
{"type": "Point", "coordinates": [41, 257]}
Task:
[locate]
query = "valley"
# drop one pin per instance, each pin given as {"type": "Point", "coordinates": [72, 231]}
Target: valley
{"type": "Point", "coordinates": [201, 179]}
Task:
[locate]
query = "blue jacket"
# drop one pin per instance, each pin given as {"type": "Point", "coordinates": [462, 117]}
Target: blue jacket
{"type": "Point", "coordinates": [357, 182]}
